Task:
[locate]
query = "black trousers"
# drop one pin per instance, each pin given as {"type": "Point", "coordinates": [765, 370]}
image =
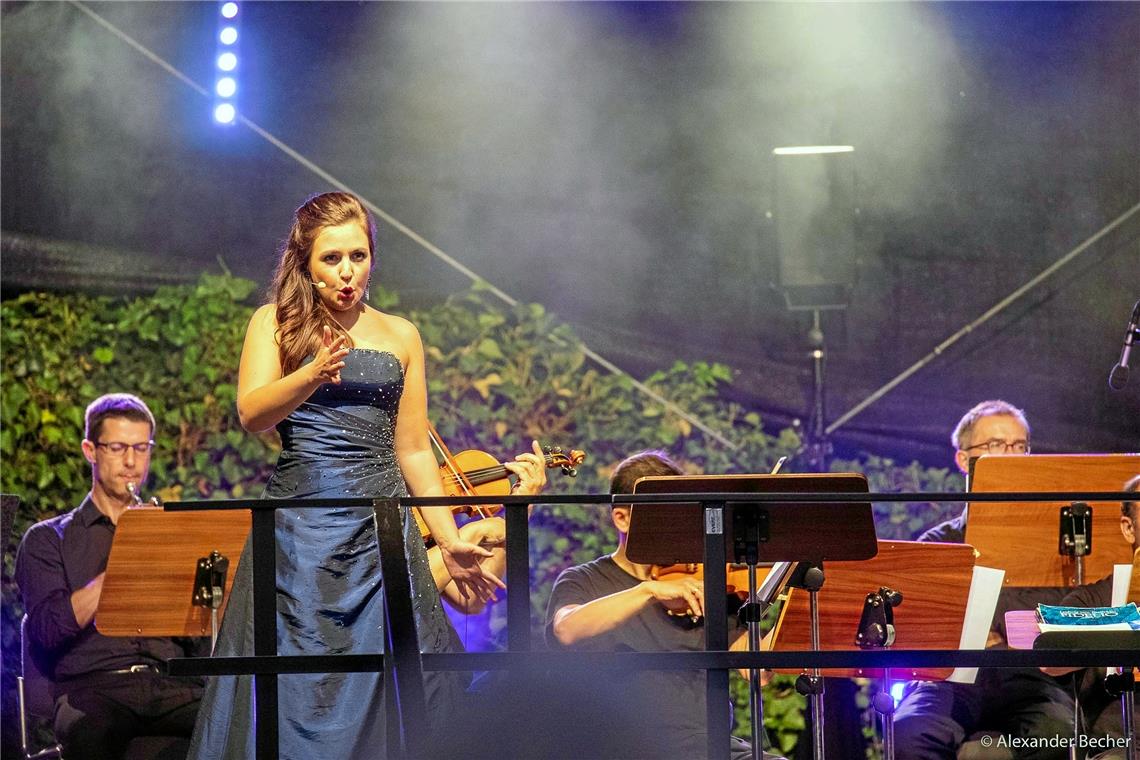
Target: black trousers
{"type": "Point", "coordinates": [103, 716]}
{"type": "Point", "coordinates": [935, 718]}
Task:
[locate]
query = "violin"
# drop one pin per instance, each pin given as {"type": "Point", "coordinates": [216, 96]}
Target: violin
{"type": "Point", "coordinates": [736, 584]}
{"type": "Point", "coordinates": [477, 473]}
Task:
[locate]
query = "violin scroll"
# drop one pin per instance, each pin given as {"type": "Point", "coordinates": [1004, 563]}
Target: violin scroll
{"type": "Point", "coordinates": [555, 457]}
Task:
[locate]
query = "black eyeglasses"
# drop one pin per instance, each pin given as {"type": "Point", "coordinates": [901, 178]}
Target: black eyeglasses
{"type": "Point", "coordinates": [119, 448]}
{"type": "Point", "coordinates": [999, 446]}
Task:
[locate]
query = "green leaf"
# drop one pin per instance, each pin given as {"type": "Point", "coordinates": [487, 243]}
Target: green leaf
{"type": "Point", "coordinates": [489, 349]}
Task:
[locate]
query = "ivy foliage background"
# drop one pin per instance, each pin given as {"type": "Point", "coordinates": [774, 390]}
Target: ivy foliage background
{"type": "Point", "coordinates": [498, 377]}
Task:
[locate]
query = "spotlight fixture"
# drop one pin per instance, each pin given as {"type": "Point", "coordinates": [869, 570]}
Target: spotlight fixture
{"type": "Point", "coordinates": [224, 113]}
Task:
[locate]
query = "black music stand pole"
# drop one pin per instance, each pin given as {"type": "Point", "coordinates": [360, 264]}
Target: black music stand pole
{"type": "Point", "coordinates": [809, 576]}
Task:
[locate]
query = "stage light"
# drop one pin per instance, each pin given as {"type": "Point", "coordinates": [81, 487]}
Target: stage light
{"type": "Point", "coordinates": [225, 113]}
{"type": "Point", "coordinates": [810, 150]}
{"type": "Point", "coordinates": [226, 58]}
{"type": "Point", "coordinates": [898, 688]}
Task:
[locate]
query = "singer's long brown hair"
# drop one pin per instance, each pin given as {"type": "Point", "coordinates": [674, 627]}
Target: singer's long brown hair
{"type": "Point", "coordinates": [301, 314]}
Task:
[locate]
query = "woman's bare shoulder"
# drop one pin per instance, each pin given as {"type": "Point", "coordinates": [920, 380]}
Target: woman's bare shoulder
{"type": "Point", "coordinates": [397, 327]}
{"type": "Point", "coordinates": [264, 320]}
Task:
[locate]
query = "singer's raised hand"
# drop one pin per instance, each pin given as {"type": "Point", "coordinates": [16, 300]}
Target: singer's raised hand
{"type": "Point", "coordinates": [329, 360]}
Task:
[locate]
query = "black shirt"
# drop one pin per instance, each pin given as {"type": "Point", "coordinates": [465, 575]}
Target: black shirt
{"type": "Point", "coordinates": [57, 557]}
{"type": "Point", "coordinates": [953, 531]}
{"type": "Point", "coordinates": [671, 703]}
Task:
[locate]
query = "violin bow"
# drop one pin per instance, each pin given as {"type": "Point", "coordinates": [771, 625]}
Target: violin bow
{"type": "Point", "coordinates": [459, 476]}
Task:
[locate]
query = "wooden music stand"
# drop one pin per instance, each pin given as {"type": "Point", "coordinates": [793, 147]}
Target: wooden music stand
{"type": "Point", "coordinates": [149, 586]}
{"type": "Point", "coordinates": [666, 534]}
{"type": "Point", "coordinates": [1023, 538]}
{"type": "Point", "coordinates": [934, 580]}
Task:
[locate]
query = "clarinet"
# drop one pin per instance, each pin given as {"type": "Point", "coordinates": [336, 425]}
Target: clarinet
{"type": "Point", "coordinates": [136, 497]}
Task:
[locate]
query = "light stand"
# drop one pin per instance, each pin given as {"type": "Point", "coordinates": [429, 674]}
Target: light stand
{"type": "Point", "coordinates": [817, 447]}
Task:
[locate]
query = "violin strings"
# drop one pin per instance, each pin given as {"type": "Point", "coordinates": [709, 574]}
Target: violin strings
{"type": "Point", "coordinates": [496, 470]}
{"type": "Point", "coordinates": [469, 474]}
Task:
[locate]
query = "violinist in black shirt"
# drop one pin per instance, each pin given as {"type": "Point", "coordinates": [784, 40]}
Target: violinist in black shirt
{"type": "Point", "coordinates": [612, 604]}
{"type": "Point", "coordinates": [107, 690]}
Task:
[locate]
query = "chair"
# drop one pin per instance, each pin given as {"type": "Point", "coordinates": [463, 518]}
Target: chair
{"type": "Point", "coordinates": [35, 702]}
{"type": "Point", "coordinates": [33, 694]}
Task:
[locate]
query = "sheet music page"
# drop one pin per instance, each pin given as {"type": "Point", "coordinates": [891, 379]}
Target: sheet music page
{"type": "Point", "coordinates": [984, 588]}
{"type": "Point", "coordinates": [1121, 578]}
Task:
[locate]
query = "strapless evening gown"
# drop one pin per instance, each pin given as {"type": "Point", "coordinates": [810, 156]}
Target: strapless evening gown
{"type": "Point", "coordinates": [329, 597]}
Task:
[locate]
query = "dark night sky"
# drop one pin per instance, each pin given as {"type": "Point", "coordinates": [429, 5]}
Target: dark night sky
{"type": "Point", "coordinates": [614, 162]}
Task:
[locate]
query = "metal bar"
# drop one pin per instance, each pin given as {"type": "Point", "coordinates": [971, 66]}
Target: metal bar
{"type": "Point", "coordinates": [518, 579]}
{"type": "Point", "coordinates": [283, 664]}
{"type": "Point", "coordinates": [400, 629]}
{"type": "Point", "coordinates": [864, 497]}
{"type": "Point", "coordinates": [819, 752]}
{"type": "Point", "coordinates": [264, 548]}
{"type": "Point", "coordinates": [888, 717]}
{"type": "Point", "coordinates": [673, 498]}
{"type": "Point", "coordinates": [755, 696]}
{"type": "Point", "coordinates": [716, 630]}
{"type": "Point", "coordinates": [1128, 724]}
{"type": "Point", "coordinates": [900, 659]}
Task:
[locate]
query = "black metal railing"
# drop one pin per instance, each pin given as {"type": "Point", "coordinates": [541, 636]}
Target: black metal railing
{"type": "Point", "coordinates": [405, 664]}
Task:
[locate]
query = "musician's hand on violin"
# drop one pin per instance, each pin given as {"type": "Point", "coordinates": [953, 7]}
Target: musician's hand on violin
{"type": "Point", "coordinates": [685, 596]}
{"type": "Point", "coordinates": [461, 558]}
{"type": "Point", "coordinates": [329, 360]}
{"type": "Point", "coordinates": [490, 531]}
{"type": "Point", "coordinates": [531, 471]}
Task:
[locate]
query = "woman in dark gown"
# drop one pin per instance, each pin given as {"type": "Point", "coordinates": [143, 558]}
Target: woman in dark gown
{"type": "Point", "coordinates": [344, 385]}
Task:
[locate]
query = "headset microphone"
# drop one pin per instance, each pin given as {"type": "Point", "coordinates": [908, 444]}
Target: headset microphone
{"type": "Point", "coordinates": [320, 285]}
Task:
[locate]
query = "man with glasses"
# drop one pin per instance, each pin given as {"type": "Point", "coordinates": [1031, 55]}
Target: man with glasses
{"type": "Point", "coordinates": [936, 718]}
{"type": "Point", "coordinates": [991, 427]}
{"type": "Point", "coordinates": [107, 690]}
